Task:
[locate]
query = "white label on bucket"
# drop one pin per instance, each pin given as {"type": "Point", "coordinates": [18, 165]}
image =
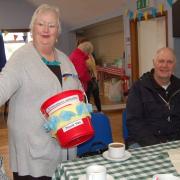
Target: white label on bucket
{"type": "Point", "coordinates": [61, 103]}
{"type": "Point", "coordinates": [72, 125]}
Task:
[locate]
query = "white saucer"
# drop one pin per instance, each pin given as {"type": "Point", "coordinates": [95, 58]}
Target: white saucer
{"type": "Point", "coordinates": [83, 177]}
{"type": "Point", "coordinates": [126, 156]}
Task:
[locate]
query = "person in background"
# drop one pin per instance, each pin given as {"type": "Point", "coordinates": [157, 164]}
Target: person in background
{"type": "Point", "coordinates": [85, 65]}
{"type": "Point", "coordinates": [93, 87]}
{"type": "Point", "coordinates": [34, 73]}
{"type": "Point", "coordinates": [79, 56]}
{"type": "Point", "coordinates": [153, 105]}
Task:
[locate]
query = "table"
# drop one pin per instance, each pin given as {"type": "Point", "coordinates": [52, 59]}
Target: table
{"type": "Point", "coordinates": [143, 164]}
{"type": "Point", "coordinates": [108, 72]}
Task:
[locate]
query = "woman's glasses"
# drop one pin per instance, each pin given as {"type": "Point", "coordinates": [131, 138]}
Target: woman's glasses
{"type": "Point", "coordinates": [47, 24]}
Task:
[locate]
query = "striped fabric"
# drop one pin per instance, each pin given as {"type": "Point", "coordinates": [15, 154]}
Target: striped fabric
{"type": "Point", "coordinates": [111, 70]}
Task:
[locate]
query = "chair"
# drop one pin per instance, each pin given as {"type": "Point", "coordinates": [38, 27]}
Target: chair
{"type": "Point", "coordinates": [101, 139]}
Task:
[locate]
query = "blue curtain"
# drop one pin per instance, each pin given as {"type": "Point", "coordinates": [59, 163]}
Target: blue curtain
{"type": "Point", "coordinates": [2, 53]}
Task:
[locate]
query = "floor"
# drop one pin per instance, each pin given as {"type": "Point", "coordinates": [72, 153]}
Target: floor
{"type": "Point", "coordinates": [112, 109]}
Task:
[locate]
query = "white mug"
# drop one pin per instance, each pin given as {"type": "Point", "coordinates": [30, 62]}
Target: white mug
{"type": "Point", "coordinates": [96, 172]}
{"type": "Point", "coordinates": [165, 177]}
{"type": "Point", "coordinates": [116, 150]}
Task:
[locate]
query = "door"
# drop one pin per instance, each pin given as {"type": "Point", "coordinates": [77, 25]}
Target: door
{"type": "Point", "coordinates": [151, 36]}
{"type": "Point", "coordinates": [146, 37]}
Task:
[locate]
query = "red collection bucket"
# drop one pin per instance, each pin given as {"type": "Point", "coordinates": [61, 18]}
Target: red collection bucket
{"type": "Point", "coordinates": [71, 126]}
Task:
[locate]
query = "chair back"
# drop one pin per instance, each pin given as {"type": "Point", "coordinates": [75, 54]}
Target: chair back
{"type": "Point", "coordinates": [125, 130]}
{"type": "Point", "coordinates": [101, 139]}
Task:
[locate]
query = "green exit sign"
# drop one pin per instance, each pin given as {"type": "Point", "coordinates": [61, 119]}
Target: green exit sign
{"type": "Point", "coordinates": [141, 4]}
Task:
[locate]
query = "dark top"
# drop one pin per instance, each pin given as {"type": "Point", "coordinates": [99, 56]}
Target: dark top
{"type": "Point", "coordinates": [153, 113]}
{"type": "Point", "coordinates": [57, 71]}
{"type": "Point", "coordinates": [54, 66]}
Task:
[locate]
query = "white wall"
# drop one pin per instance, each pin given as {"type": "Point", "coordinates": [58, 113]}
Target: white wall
{"type": "Point", "coordinates": [16, 14]}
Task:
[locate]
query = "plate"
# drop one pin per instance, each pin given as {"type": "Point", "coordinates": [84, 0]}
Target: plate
{"type": "Point", "coordinates": [83, 177]}
{"type": "Point", "coordinates": [126, 156]}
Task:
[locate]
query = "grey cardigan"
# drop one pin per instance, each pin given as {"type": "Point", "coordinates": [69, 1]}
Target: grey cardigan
{"type": "Point", "coordinates": [28, 82]}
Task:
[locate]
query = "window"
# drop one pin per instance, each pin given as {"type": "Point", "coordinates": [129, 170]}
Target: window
{"type": "Point", "coordinates": [14, 40]}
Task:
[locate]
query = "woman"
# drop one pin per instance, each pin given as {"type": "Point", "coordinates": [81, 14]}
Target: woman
{"type": "Point", "coordinates": [85, 65]}
{"type": "Point", "coordinates": [79, 57]}
{"type": "Point", "coordinates": [34, 73]}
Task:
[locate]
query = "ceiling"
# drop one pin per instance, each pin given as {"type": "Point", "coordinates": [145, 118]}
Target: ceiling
{"type": "Point", "coordinates": [78, 13]}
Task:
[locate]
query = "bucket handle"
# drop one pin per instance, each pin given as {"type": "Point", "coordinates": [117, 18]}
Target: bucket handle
{"type": "Point", "coordinates": [86, 99]}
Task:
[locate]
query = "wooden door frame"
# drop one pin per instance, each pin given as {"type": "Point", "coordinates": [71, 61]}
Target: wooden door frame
{"type": "Point", "coordinates": [134, 43]}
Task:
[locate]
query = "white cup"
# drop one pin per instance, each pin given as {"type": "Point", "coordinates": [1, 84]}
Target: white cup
{"type": "Point", "coordinates": [116, 150]}
{"type": "Point", "coordinates": [96, 172]}
{"type": "Point", "coordinates": [165, 177]}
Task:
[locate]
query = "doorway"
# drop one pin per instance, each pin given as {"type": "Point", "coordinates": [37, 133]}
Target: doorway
{"type": "Point", "coordinates": [146, 37]}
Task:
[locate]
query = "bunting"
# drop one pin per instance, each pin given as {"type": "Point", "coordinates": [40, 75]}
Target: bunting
{"type": "Point", "coordinates": [15, 37]}
{"type": "Point", "coordinates": [135, 14]}
{"type": "Point", "coordinates": [139, 15]}
{"type": "Point", "coordinates": [25, 38]}
{"type": "Point", "coordinates": [161, 8]}
{"type": "Point", "coordinates": [146, 15]}
{"type": "Point", "coordinates": [5, 33]}
{"type": "Point", "coordinates": [126, 12]}
{"type": "Point", "coordinates": [131, 14]}
{"type": "Point", "coordinates": [170, 2]}
{"type": "Point", "coordinates": [154, 12]}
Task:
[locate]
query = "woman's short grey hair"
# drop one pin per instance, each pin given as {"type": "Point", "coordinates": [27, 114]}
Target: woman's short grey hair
{"type": "Point", "coordinates": [86, 47]}
{"type": "Point", "coordinates": [44, 8]}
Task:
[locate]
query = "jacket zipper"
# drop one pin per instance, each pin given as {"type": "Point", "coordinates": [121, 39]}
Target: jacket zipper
{"type": "Point", "coordinates": [168, 103]}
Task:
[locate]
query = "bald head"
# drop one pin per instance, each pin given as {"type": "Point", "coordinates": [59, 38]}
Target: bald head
{"type": "Point", "coordinates": [163, 50]}
{"type": "Point", "coordinates": [164, 64]}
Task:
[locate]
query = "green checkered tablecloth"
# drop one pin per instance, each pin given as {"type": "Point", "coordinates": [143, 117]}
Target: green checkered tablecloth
{"type": "Point", "coordinates": [143, 164]}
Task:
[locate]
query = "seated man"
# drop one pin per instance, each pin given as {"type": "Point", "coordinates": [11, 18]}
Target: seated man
{"type": "Point", "coordinates": [153, 105]}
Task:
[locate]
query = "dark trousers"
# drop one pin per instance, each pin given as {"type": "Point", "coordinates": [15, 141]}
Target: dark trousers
{"type": "Point", "coordinates": [93, 89]}
{"type": "Point", "coordinates": [17, 177]}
